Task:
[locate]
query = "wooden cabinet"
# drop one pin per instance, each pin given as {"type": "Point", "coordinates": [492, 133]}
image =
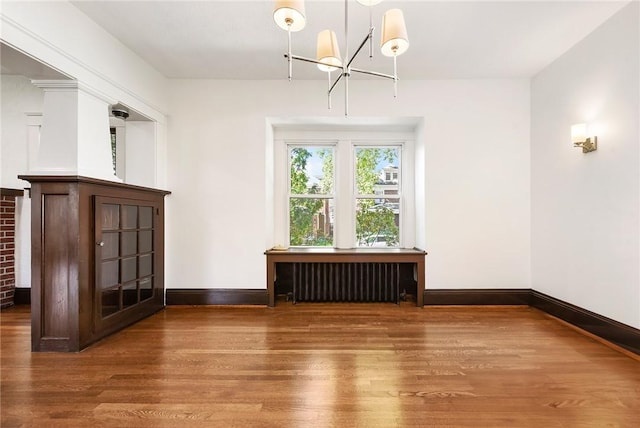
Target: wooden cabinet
{"type": "Point", "coordinates": [97, 259]}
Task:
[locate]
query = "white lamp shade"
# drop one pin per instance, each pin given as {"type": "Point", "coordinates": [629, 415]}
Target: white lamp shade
{"type": "Point", "coordinates": [369, 2]}
{"type": "Point", "coordinates": [579, 133]}
{"type": "Point", "coordinates": [394, 33]}
{"type": "Point", "coordinates": [328, 51]}
{"type": "Point", "coordinates": [289, 14]}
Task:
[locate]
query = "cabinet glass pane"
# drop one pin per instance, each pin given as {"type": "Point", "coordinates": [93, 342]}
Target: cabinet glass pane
{"type": "Point", "coordinates": [129, 243]}
{"type": "Point", "coordinates": [109, 274]}
{"type": "Point", "coordinates": [128, 269]}
{"type": "Point", "coordinates": [110, 216]}
{"type": "Point", "coordinates": [146, 265]}
{"type": "Point", "coordinates": [146, 241]}
{"type": "Point", "coordinates": [129, 217]}
{"type": "Point", "coordinates": [111, 246]}
{"type": "Point", "coordinates": [146, 288]}
{"type": "Point", "coordinates": [129, 294]}
{"type": "Point", "coordinates": [110, 301]}
{"type": "Point", "coordinates": [146, 217]}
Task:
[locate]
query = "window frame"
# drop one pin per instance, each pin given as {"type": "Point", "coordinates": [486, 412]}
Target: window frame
{"type": "Point", "coordinates": [345, 141]}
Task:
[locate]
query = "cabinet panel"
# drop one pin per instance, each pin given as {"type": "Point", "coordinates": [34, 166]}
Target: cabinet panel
{"type": "Point", "coordinates": [55, 292]}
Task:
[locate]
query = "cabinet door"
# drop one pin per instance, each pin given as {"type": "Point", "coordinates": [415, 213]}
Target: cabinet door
{"type": "Point", "coordinates": [125, 257]}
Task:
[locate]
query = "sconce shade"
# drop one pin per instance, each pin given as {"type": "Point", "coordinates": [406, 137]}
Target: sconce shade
{"type": "Point", "coordinates": [579, 133]}
{"type": "Point", "coordinates": [289, 14]}
{"type": "Point", "coordinates": [394, 33]}
{"type": "Point", "coordinates": [328, 51]}
{"type": "Point", "coordinates": [369, 2]}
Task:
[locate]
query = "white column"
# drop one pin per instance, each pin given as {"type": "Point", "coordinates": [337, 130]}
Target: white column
{"type": "Point", "coordinates": [34, 125]}
{"type": "Point", "coordinates": [74, 138]}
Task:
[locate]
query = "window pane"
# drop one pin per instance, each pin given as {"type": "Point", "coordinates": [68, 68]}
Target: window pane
{"type": "Point", "coordinates": [146, 241]}
{"type": "Point", "coordinates": [146, 288]}
{"type": "Point", "coordinates": [110, 301]}
{"type": "Point", "coordinates": [110, 216]}
{"type": "Point", "coordinates": [377, 222]}
{"type": "Point", "coordinates": [129, 216]}
{"type": "Point", "coordinates": [129, 243]}
{"type": "Point", "coordinates": [129, 271]}
{"type": "Point", "coordinates": [311, 222]}
{"type": "Point", "coordinates": [110, 274]}
{"type": "Point", "coordinates": [146, 217]}
{"type": "Point", "coordinates": [377, 170]}
{"type": "Point", "coordinates": [146, 265]}
{"type": "Point", "coordinates": [311, 170]}
{"type": "Point", "coordinates": [129, 294]}
{"type": "Point", "coordinates": [111, 247]}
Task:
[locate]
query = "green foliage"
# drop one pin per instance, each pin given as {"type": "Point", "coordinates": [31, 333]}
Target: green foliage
{"type": "Point", "coordinates": [373, 221]}
{"type": "Point", "coordinates": [113, 151]}
{"type": "Point", "coordinates": [302, 210]}
{"type": "Point", "coordinates": [366, 161]}
{"type": "Point", "coordinates": [326, 183]}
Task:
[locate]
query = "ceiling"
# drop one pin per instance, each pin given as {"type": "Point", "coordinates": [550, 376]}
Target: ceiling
{"type": "Point", "coordinates": [237, 39]}
{"type": "Point", "coordinates": [218, 39]}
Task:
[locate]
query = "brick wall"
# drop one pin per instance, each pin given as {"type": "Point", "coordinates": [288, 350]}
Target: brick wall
{"type": "Point", "coordinates": [7, 250]}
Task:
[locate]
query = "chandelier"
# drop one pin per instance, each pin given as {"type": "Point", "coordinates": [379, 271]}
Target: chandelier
{"type": "Point", "coordinates": [290, 16]}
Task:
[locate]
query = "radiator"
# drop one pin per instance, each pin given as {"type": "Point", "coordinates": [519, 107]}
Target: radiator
{"type": "Point", "coordinates": [346, 282]}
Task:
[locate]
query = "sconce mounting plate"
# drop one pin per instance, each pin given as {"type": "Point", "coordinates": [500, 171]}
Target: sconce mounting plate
{"type": "Point", "coordinates": [588, 145]}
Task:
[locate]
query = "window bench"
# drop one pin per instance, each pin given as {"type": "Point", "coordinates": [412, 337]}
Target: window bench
{"type": "Point", "coordinates": [333, 256]}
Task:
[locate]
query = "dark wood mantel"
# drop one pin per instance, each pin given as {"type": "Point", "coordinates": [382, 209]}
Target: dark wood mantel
{"type": "Point", "coordinates": [357, 255]}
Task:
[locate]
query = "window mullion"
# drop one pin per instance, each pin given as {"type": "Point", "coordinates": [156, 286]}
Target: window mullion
{"type": "Point", "coordinates": [345, 205]}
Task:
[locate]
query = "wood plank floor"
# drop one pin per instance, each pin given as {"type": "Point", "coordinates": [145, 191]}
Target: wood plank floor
{"type": "Point", "coordinates": [315, 365]}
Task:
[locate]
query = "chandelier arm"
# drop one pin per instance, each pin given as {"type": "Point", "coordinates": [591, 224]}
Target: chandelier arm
{"type": "Point", "coordinates": [374, 73]}
{"type": "Point", "coordinates": [370, 32]}
{"type": "Point", "coordinates": [367, 38]}
{"type": "Point", "coordinates": [305, 59]}
{"type": "Point", "coordinates": [346, 31]}
{"type": "Point", "coordinates": [290, 65]}
{"type": "Point", "coordinates": [346, 93]}
{"type": "Point", "coordinates": [329, 91]}
{"type": "Point", "coordinates": [335, 83]}
{"type": "Point", "coordinates": [395, 75]}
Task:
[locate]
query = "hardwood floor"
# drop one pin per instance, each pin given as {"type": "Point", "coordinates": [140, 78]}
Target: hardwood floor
{"type": "Point", "coordinates": [313, 365]}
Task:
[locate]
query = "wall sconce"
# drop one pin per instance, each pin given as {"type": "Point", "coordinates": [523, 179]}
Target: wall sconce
{"type": "Point", "coordinates": [580, 139]}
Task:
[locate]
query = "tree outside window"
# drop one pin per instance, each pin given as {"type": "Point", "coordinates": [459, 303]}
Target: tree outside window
{"type": "Point", "coordinates": [311, 196]}
{"type": "Point", "coordinates": [376, 175]}
{"type": "Point", "coordinates": [376, 196]}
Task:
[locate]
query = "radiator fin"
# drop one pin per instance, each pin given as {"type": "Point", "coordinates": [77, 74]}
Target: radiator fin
{"type": "Point", "coordinates": [346, 282]}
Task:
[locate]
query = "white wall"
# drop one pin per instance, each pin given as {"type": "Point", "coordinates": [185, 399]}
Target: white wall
{"type": "Point", "coordinates": [585, 207]}
{"type": "Point", "coordinates": [140, 153]}
{"type": "Point", "coordinates": [18, 97]}
{"type": "Point", "coordinates": [476, 175]}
